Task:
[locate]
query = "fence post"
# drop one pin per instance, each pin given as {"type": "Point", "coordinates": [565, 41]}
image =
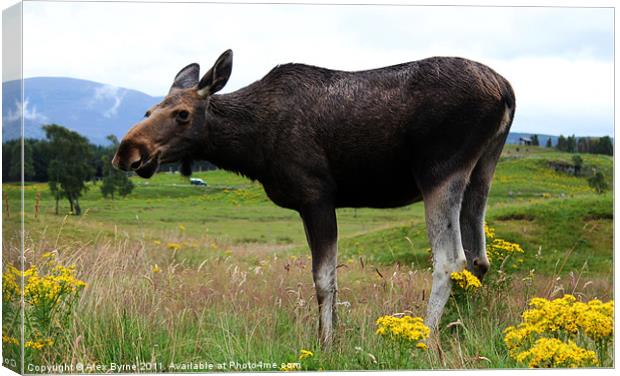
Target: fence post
{"type": "Point", "coordinates": [37, 204]}
{"type": "Point", "coordinates": [6, 205]}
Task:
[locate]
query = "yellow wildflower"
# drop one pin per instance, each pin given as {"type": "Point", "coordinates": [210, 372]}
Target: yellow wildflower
{"type": "Point", "coordinates": [48, 255]}
{"type": "Point", "coordinates": [10, 340]}
{"type": "Point", "coordinates": [559, 318]}
{"type": "Point", "coordinates": [551, 352]}
{"type": "Point", "coordinates": [489, 231]}
{"type": "Point", "coordinates": [182, 227]}
{"type": "Point", "coordinates": [465, 280]}
{"type": "Point", "coordinates": [406, 328]}
{"type": "Point", "coordinates": [515, 337]}
{"type": "Point", "coordinates": [174, 246]}
{"type": "Point", "coordinates": [155, 269]}
{"type": "Point", "coordinates": [421, 346]}
{"type": "Point", "coordinates": [47, 289]}
{"type": "Point", "coordinates": [10, 286]}
{"type": "Point", "coordinates": [499, 249]}
{"type": "Point", "coordinates": [304, 354]}
{"type": "Point", "coordinates": [594, 319]}
{"type": "Point", "coordinates": [38, 345]}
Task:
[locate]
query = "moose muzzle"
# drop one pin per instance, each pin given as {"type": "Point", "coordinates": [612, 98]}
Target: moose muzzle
{"type": "Point", "coordinates": [132, 157]}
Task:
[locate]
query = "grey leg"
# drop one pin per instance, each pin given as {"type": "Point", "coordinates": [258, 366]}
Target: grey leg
{"type": "Point", "coordinates": [473, 209]}
{"type": "Point", "coordinates": [322, 234]}
{"type": "Point", "coordinates": [472, 226]}
{"type": "Point", "coordinates": [442, 207]}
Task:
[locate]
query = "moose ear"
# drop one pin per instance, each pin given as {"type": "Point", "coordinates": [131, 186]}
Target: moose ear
{"type": "Point", "coordinates": [215, 79]}
{"type": "Point", "coordinates": [186, 78]}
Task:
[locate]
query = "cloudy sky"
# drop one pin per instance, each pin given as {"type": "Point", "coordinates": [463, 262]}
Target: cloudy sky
{"type": "Point", "coordinates": [559, 60]}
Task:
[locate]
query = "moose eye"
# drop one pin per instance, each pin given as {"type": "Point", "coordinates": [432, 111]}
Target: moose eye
{"type": "Point", "coordinates": [147, 114]}
{"type": "Point", "coordinates": [183, 115]}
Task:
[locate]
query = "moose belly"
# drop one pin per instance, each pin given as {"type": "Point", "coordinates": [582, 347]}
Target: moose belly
{"type": "Point", "coordinates": [377, 190]}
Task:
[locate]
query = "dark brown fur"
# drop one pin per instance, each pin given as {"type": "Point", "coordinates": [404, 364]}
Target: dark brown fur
{"type": "Point", "coordinates": [319, 139]}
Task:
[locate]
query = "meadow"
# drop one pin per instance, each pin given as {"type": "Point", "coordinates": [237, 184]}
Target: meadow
{"type": "Point", "coordinates": [181, 277]}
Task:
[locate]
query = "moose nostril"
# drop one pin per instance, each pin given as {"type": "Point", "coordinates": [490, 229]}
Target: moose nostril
{"type": "Point", "coordinates": [136, 164]}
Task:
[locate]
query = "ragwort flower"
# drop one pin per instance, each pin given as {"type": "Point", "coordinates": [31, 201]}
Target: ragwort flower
{"type": "Point", "coordinates": [406, 329]}
{"type": "Point", "coordinates": [551, 352]}
{"type": "Point", "coordinates": [465, 280]}
{"type": "Point", "coordinates": [530, 342]}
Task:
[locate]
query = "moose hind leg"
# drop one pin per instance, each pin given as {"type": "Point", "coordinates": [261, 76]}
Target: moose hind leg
{"type": "Point", "coordinates": [322, 234]}
{"type": "Point", "coordinates": [473, 210]}
{"type": "Point", "coordinates": [472, 225]}
{"type": "Point", "coordinates": [442, 207]}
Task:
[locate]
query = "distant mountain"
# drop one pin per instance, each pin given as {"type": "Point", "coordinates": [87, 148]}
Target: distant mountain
{"type": "Point", "coordinates": [94, 110]}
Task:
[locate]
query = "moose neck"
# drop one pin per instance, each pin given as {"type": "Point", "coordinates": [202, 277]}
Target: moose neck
{"type": "Point", "coordinates": [232, 129]}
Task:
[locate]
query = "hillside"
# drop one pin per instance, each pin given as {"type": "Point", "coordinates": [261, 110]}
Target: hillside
{"type": "Point", "coordinates": [90, 108]}
{"type": "Point", "coordinates": [551, 214]}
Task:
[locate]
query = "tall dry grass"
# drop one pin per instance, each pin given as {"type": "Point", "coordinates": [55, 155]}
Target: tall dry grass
{"type": "Point", "coordinates": [155, 306]}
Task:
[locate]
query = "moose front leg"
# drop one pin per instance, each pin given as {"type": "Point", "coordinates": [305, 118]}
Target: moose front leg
{"type": "Point", "coordinates": [322, 234]}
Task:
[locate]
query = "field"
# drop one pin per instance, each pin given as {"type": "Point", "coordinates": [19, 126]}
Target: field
{"type": "Point", "coordinates": [180, 275]}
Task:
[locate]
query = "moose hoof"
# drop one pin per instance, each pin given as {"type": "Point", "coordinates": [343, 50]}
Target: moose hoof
{"type": "Point", "coordinates": [480, 267]}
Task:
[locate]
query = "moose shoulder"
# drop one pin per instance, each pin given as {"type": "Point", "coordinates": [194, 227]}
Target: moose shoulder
{"type": "Point", "coordinates": [319, 139]}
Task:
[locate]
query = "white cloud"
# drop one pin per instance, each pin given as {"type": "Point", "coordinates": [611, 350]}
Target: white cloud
{"type": "Point", "coordinates": [558, 95]}
{"type": "Point", "coordinates": [558, 59]}
{"type": "Point", "coordinates": [29, 113]}
{"type": "Point", "coordinates": [105, 93]}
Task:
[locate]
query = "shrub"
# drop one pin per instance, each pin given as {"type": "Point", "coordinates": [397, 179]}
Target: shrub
{"type": "Point", "coordinates": [598, 182]}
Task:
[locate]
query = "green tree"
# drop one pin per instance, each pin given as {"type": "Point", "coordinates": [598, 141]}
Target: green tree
{"type": "Point", "coordinates": [107, 186]}
{"type": "Point", "coordinates": [535, 141]}
{"type": "Point", "coordinates": [40, 158]}
{"type": "Point", "coordinates": [15, 167]}
{"type": "Point", "coordinates": [54, 173]}
{"type": "Point", "coordinates": [125, 187]}
{"type": "Point", "coordinates": [598, 182]}
{"type": "Point", "coordinates": [571, 142]}
{"type": "Point", "coordinates": [561, 145]}
{"type": "Point", "coordinates": [583, 145]}
{"type": "Point", "coordinates": [28, 162]}
{"type": "Point", "coordinates": [15, 161]}
{"type": "Point", "coordinates": [70, 164]}
{"type": "Point", "coordinates": [114, 180]}
{"type": "Point", "coordinates": [549, 144]}
{"type": "Point", "coordinates": [604, 146]}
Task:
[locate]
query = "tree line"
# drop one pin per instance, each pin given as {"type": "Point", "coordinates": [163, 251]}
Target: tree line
{"type": "Point", "coordinates": [67, 161]}
{"type": "Point", "coordinates": [572, 144]}
{"type": "Point", "coordinates": [591, 145]}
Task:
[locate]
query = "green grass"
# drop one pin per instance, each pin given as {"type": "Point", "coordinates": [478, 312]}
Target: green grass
{"type": "Point", "coordinates": [230, 208]}
{"type": "Point", "coordinates": [551, 227]}
{"type": "Point", "coordinates": [240, 288]}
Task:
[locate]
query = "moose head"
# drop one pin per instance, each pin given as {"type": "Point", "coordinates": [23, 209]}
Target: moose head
{"type": "Point", "coordinates": [174, 129]}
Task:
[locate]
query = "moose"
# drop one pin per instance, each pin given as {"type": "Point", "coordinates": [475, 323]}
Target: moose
{"type": "Point", "coordinates": [318, 139]}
